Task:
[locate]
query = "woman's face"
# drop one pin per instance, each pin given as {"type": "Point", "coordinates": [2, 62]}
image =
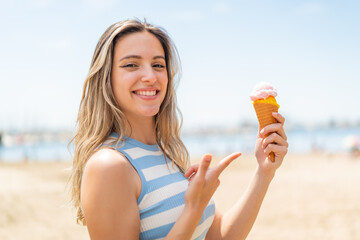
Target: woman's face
{"type": "Point", "coordinates": [139, 76]}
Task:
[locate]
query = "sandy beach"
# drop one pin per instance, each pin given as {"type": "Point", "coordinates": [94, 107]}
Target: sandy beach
{"type": "Point", "coordinates": [312, 197]}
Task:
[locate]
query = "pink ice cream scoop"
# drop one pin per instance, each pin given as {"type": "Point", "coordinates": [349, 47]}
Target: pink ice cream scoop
{"type": "Point", "coordinates": [264, 102]}
{"type": "Point", "coordinates": [263, 90]}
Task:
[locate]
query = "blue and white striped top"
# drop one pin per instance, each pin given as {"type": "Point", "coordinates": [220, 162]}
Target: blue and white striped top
{"type": "Point", "coordinates": [163, 187]}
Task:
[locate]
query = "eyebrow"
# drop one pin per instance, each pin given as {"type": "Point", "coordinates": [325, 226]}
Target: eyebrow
{"type": "Point", "coordinates": [139, 57]}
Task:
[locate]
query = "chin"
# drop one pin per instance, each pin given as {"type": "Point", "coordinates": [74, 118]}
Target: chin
{"type": "Point", "coordinates": [151, 112]}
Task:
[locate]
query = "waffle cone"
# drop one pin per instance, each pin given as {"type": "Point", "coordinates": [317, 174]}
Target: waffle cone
{"type": "Point", "coordinates": [264, 114]}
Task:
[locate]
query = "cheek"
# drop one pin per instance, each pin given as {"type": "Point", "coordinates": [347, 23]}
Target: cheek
{"type": "Point", "coordinates": [119, 91]}
{"type": "Point", "coordinates": [122, 83]}
{"type": "Point", "coordinates": [165, 87]}
{"type": "Point", "coordinates": [164, 84]}
{"type": "Point", "coordinates": [164, 80]}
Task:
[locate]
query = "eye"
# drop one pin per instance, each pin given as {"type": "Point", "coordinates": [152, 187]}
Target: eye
{"type": "Point", "coordinates": [158, 65]}
{"type": "Point", "coordinates": [129, 65]}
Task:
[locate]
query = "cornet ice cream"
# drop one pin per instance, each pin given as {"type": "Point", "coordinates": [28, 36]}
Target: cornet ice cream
{"type": "Point", "coordinates": [263, 97]}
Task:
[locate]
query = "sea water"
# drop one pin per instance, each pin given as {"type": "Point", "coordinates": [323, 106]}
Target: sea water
{"type": "Point", "coordinates": [300, 141]}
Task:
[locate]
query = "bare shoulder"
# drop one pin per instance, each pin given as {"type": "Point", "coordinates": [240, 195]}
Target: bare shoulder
{"type": "Point", "coordinates": [111, 168]}
{"type": "Point", "coordinates": [109, 192]}
{"type": "Point", "coordinates": [106, 159]}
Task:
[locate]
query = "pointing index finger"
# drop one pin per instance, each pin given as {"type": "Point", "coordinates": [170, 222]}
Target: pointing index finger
{"type": "Point", "coordinates": [225, 162]}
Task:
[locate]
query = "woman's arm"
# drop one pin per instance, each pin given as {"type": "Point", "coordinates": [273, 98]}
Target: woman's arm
{"type": "Point", "coordinates": [201, 188]}
{"type": "Point", "coordinates": [238, 221]}
{"type": "Point", "coordinates": [111, 186]}
{"type": "Point", "coordinates": [109, 191]}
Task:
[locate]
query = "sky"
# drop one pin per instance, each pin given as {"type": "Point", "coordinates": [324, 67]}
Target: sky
{"type": "Point", "coordinates": [309, 50]}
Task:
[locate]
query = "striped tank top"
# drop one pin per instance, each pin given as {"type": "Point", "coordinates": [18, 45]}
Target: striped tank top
{"type": "Point", "coordinates": [163, 187]}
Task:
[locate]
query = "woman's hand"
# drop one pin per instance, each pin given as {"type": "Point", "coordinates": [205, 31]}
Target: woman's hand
{"type": "Point", "coordinates": [204, 181]}
{"type": "Point", "coordinates": [275, 141]}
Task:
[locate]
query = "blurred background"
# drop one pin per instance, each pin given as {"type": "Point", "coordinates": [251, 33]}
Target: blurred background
{"type": "Point", "coordinates": [309, 50]}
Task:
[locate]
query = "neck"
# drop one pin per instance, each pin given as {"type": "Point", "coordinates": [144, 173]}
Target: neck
{"type": "Point", "coordinates": [142, 130]}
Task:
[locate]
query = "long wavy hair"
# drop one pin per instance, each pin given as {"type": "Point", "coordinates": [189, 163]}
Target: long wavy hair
{"type": "Point", "coordinates": [99, 114]}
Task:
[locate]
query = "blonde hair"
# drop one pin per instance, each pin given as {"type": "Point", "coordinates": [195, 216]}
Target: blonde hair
{"type": "Point", "coordinates": [99, 114]}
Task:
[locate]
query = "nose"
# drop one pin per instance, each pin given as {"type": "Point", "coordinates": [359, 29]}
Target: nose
{"type": "Point", "coordinates": [148, 76]}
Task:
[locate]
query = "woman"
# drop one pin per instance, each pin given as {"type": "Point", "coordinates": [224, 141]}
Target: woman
{"type": "Point", "coordinates": [130, 176]}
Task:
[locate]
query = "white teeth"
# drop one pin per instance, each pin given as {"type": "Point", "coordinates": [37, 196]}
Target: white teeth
{"type": "Point", "coordinates": [146, 93]}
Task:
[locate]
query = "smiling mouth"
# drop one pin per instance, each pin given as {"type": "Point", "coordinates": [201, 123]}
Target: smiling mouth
{"type": "Point", "coordinates": [146, 93]}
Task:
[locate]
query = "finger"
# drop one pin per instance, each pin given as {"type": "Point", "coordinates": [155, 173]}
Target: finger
{"type": "Point", "coordinates": [277, 149]}
{"type": "Point", "coordinates": [281, 120]}
{"type": "Point", "coordinates": [275, 127]}
{"type": "Point", "coordinates": [282, 133]}
{"type": "Point", "coordinates": [279, 117]}
{"type": "Point", "coordinates": [274, 138]}
{"type": "Point", "coordinates": [258, 133]}
{"type": "Point", "coordinates": [270, 128]}
{"type": "Point", "coordinates": [191, 177]}
{"type": "Point", "coordinates": [191, 170]}
{"type": "Point", "coordinates": [204, 164]}
{"type": "Point", "coordinates": [225, 162]}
